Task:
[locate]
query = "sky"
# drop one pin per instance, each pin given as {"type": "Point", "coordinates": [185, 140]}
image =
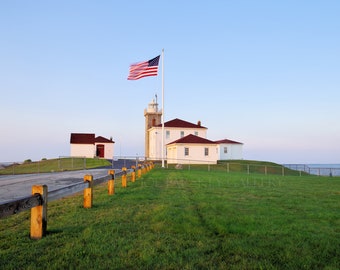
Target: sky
{"type": "Point", "coordinates": [264, 73]}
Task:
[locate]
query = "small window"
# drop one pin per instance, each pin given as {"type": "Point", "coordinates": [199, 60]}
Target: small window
{"type": "Point", "coordinates": [186, 151]}
{"type": "Point", "coordinates": [206, 151]}
{"type": "Point", "coordinates": [225, 150]}
{"type": "Point", "coordinates": [196, 133]}
{"type": "Point", "coordinates": [182, 134]}
{"type": "Point", "coordinates": [167, 134]}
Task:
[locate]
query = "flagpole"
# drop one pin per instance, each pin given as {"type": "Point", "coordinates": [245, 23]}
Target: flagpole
{"type": "Point", "coordinates": [163, 108]}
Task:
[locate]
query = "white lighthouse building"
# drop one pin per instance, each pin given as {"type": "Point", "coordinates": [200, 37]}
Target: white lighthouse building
{"type": "Point", "coordinates": [184, 142]}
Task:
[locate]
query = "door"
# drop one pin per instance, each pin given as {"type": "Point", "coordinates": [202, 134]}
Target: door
{"type": "Point", "coordinates": [100, 150]}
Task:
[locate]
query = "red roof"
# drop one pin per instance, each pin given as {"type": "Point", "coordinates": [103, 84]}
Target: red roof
{"type": "Point", "coordinates": [193, 139]}
{"type": "Point", "coordinates": [82, 138]}
{"type": "Point", "coordinates": [181, 124]}
{"type": "Point", "coordinates": [101, 139]}
{"type": "Point", "coordinates": [227, 141]}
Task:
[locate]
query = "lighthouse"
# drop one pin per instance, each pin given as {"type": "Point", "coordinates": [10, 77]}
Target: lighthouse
{"type": "Point", "coordinates": [153, 117]}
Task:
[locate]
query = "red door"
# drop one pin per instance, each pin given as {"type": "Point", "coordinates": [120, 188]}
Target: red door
{"type": "Point", "coordinates": [100, 150]}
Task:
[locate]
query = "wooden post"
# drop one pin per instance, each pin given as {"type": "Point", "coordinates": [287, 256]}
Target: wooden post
{"type": "Point", "coordinates": [133, 174]}
{"type": "Point", "coordinates": [139, 173]}
{"type": "Point", "coordinates": [124, 182]}
{"type": "Point", "coordinates": [88, 192]}
{"type": "Point", "coordinates": [111, 182]}
{"type": "Point", "coordinates": [39, 214]}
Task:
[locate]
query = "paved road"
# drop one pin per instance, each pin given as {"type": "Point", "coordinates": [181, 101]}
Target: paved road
{"type": "Point", "coordinates": [13, 187]}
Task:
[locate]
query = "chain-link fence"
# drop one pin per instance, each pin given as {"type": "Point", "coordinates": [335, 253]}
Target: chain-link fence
{"type": "Point", "coordinates": [316, 169]}
{"type": "Point", "coordinates": [242, 166]}
{"type": "Point", "coordinates": [251, 167]}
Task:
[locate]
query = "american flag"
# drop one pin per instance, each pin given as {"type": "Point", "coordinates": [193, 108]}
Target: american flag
{"type": "Point", "coordinates": [144, 69]}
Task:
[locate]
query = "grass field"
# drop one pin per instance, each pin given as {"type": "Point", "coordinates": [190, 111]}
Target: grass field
{"type": "Point", "coordinates": [181, 219]}
{"type": "Point", "coordinates": [55, 165]}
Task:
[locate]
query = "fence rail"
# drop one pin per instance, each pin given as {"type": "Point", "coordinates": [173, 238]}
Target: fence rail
{"type": "Point", "coordinates": [23, 204]}
{"type": "Point", "coordinates": [40, 196]}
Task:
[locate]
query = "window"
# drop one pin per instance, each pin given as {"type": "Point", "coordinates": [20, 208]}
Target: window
{"type": "Point", "coordinates": [186, 151]}
{"type": "Point", "coordinates": [182, 134]}
{"type": "Point", "coordinates": [196, 133]}
{"type": "Point", "coordinates": [225, 150]}
{"type": "Point", "coordinates": [167, 135]}
{"type": "Point", "coordinates": [206, 151]}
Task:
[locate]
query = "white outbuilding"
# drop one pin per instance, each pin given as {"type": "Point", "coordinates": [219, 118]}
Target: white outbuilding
{"type": "Point", "coordinates": [228, 149]}
{"type": "Point", "coordinates": [90, 146]}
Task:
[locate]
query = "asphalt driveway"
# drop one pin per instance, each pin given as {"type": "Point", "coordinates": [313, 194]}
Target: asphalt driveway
{"type": "Point", "coordinates": [13, 187]}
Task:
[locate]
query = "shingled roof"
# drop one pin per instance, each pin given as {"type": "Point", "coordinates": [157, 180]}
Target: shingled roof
{"type": "Point", "coordinates": [82, 138]}
{"type": "Point", "coordinates": [88, 138]}
{"type": "Point", "coordinates": [181, 124]}
{"type": "Point", "coordinates": [227, 141]}
{"type": "Point", "coordinates": [101, 139]}
{"type": "Point", "coordinates": [193, 139]}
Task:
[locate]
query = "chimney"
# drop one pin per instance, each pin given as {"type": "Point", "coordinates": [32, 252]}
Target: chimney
{"type": "Point", "coordinates": [199, 123]}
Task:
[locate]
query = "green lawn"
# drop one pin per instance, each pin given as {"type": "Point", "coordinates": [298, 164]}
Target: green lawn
{"type": "Point", "coordinates": [55, 165]}
{"type": "Point", "coordinates": [181, 219]}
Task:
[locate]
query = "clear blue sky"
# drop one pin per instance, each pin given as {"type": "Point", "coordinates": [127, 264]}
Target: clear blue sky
{"type": "Point", "coordinates": [265, 73]}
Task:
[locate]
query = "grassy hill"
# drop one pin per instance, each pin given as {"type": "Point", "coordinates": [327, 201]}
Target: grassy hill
{"type": "Point", "coordinates": [187, 219]}
{"type": "Point", "coordinates": [244, 166]}
{"type": "Point", "coordinates": [54, 165]}
{"type": "Point", "coordinates": [66, 164]}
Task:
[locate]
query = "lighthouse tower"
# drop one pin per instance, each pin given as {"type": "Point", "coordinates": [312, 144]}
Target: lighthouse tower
{"type": "Point", "coordinates": [153, 117]}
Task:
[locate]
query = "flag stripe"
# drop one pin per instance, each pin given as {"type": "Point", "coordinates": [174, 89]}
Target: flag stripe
{"type": "Point", "coordinates": [144, 69]}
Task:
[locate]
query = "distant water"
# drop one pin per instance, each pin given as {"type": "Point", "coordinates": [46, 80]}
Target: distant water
{"type": "Point", "coordinates": [317, 169]}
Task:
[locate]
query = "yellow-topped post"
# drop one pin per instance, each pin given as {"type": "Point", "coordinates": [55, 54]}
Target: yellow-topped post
{"type": "Point", "coordinates": [124, 176]}
{"type": "Point", "coordinates": [111, 182]}
{"type": "Point", "coordinates": [133, 174]}
{"type": "Point", "coordinates": [39, 214]}
{"type": "Point", "coordinates": [88, 192]}
{"type": "Point", "coordinates": [139, 173]}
